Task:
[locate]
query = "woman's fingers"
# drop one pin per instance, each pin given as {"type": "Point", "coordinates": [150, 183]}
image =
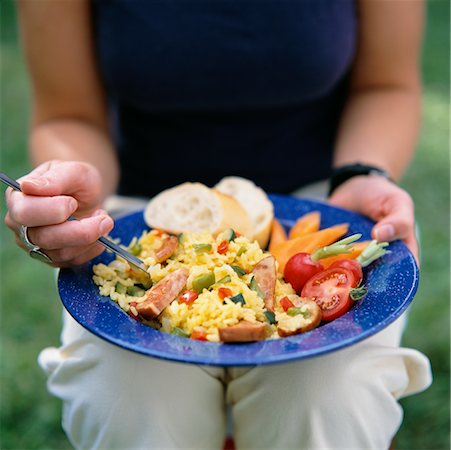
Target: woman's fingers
{"type": "Point", "coordinates": [74, 178]}
{"type": "Point", "coordinates": [383, 201]}
{"type": "Point", "coordinates": [76, 233]}
{"type": "Point", "coordinates": [36, 211]}
{"type": "Point", "coordinates": [396, 218]}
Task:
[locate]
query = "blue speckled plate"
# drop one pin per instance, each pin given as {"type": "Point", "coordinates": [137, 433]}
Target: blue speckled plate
{"type": "Point", "coordinates": [392, 282]}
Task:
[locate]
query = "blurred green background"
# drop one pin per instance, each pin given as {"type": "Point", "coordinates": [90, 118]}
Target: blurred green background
{"type": "Point", "coordinates": [31, 311]}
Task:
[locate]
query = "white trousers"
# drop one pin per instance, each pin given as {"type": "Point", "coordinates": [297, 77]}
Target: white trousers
{"type": "Point", "coordinates": [116, 399]}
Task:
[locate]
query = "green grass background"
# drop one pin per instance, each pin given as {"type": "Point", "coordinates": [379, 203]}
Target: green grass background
{"type": "Point", "coordinates": [31, 311]}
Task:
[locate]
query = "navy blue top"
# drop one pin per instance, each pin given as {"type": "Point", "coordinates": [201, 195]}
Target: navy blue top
{"type": "Point", "coordinates": [201, 89]}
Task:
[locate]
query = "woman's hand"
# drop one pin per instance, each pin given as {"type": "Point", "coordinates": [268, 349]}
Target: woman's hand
{"type": "Point", "coordinates": [384, 202]}
{"type": "Point", "coordinates": [50, 194]}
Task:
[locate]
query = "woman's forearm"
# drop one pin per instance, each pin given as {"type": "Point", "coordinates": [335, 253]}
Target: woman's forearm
{"type": "Point", "coordinates": [380, 127]}
{"type": "Point", "coordinates": [74, 140]}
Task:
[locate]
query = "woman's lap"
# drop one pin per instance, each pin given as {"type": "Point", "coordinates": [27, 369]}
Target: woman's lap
{"type": "Point", "coordinates": [114, 398]}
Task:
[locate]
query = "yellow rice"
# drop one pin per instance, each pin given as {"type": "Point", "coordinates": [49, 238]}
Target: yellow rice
{"type": "Point", "coordinates": [208, 311]}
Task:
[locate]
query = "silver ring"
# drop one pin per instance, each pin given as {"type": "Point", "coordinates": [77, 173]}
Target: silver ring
{"type": "Point", "coordinates": [33, 250]}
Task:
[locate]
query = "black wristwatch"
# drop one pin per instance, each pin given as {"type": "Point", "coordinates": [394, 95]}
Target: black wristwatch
{"type": "Point", "coordinates": [343, 173]}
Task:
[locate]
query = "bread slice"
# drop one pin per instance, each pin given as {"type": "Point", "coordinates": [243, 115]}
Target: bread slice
{"type": "Point", "coordinates": [195, 207]}
{"type": "Point", "coordinates": [255, 201]}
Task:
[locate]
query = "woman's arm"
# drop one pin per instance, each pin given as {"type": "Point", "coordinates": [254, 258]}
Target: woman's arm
{"type": "Point", "coordinates": [381, 120]}
{"type": "Point", "coordinates": [69, 118]}
{"type": "Point", "coordinates": [69, 138]}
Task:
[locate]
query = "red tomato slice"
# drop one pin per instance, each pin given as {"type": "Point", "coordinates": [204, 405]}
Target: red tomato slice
{"type": "Point", "coordinates": [188, 297]}
{"type": "Point", "coordinates": [330, 289]}
{"type": "Point", "coordinates": [286, 303]}
{"type": "Point", "coordinates": [224, 292]}
{"type": "Point", "coordinates": [223, 247]}
{"type": "Point", "coordinates": [352, 265]}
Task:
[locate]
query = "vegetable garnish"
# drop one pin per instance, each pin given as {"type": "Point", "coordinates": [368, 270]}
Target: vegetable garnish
{"type": "Point", "coordinates": [373, 251]}
{"type": "Point", "coordinates": [303, 266]}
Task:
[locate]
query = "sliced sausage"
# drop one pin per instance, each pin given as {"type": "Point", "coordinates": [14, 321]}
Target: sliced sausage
{"type": "Point", "coordinates": [243, 332]}
{"type": "Point", "coordinates": [162, 294]}
{"type": "Point", "coordinates": [265, 277]}
{"type": "Point", "coordinates": [167, 249]}
{"type": "Point", "coordinates": [300, 323]}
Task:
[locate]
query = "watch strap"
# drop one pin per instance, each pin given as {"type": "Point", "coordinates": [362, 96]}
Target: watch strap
{"type": "Point", "coordinates": [343, 173]}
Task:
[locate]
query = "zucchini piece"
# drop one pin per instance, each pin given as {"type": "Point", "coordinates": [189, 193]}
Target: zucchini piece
{"type": "Point", "coordinates": [238, 270]}
{"type": "Point", "coordinates": [203, 281]}
{"type": "Point", "coordinates": [135, 291]}
{"type": "Point", "coordinates": [120, 288]}
{"type": "Point", "coordinates": [238, 298]}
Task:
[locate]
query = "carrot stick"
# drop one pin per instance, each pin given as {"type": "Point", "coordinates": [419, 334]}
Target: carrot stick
{"type": "Point", "coordinates": [308, 223]}
{"type": "Point", "coordinates": [357, 248]}
{"type": "Point", "coordinates": [308, 243]}
{"type": "Point", "coordinates": [278, 234]}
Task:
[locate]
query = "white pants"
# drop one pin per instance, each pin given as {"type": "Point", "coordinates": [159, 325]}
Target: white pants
{"type": "Point", "coordinates": [114, 398]}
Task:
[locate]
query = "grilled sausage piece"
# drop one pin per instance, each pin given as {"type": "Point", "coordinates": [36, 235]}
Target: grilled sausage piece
{"type": "Point", "coordinates": [265, 277]}
{"type": "Point", "coordinates": [167, 249]}
{"type": "Point", "coordinates": [162, 294]}
{"type": "Point", "coordinates": [243, 332]}
{"type": "Point", "coordinates": [302, 322]}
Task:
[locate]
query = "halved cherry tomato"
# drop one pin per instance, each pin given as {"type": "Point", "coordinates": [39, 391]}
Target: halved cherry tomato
{"type": "Point", "coordinates": [199, 334]}
{"type": "Point", "coordinates": [299, 268]}
{"type": "Point", "coordinates": [286, 303]}
{"type": "Point", "coordinates": [352, 265]}
{"type": "Point", "coordinates": [224, 292]}
{"type": "Point", "coordinates": [330, 289]}
{"type": "Point", "coordinates": [223, 247]}
{"type": "Point", "coordinates": [188, 297]}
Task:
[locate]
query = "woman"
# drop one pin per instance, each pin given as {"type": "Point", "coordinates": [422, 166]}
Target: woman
{"type": "Point", "coordinates": [133, 97]}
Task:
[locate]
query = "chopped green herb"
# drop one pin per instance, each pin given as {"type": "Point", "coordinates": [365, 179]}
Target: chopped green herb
{"type": "Point", "coordinates": [120, 288]}
{"type": "Point", "coordinates": [224, 280]}
{"type": "Point", "coordinates": [229, 235]}
{"type": "Point", "coordinates": [241, 250]}
{"type": "Point", "coordinates": [295, 311]}
{"type": "Point", "coordinates": [358, 292]}
{"type": "Point", "coordinates": [202, 248]}
{"type": "Point", "coordinates": [254, 287]}
{"type": "Point", "coordinates": [238, 298]}
{"type": "Point", "coordinates": [238, 270]}
{"type": "Point", "coordinates": [179, 332]}
{"type": "Point", "coordinates": [180, 238]}
{"type": "Point", "coordinates": [135, 291]}
{"type": "Point", "coordinates": [136, 249]}
{"type": "Point", "coordinates": [203, 281]}
{"type": "Point", "coordinates": [271, 317]}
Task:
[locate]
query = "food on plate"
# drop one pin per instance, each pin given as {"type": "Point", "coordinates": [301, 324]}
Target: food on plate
{"type": "Point", "coordinates": [254, 201]}
{"type": "Point", "coordinates": [334, 290]}
{"type": "Point", "coordinates": [302, 266]}
{"type": "Point", "coordinates": [210, 279]}
{"type": "Point", "coordinates": [207, 290]}
{"type": "Point", "coordinates": [195, 207]}
{"type": "Point", "coordinates": [308, 243]}
{"type": "Point", "coordinates": [277, 236]}
{"type": "Point", "coordinates": [308, 223]}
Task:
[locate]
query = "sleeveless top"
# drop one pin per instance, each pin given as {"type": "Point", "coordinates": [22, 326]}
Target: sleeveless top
{"type": "Point", "coordinates": [202, 89]}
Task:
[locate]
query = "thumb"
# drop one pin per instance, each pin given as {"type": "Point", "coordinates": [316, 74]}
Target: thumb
{"type": "Point", "coordinates": [397, 219]}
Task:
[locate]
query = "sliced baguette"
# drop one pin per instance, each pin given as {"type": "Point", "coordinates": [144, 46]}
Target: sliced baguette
{"type": "Point", "coordinates": [255, 201]}
{"type": "Point", "coordinates": [195, 207]}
